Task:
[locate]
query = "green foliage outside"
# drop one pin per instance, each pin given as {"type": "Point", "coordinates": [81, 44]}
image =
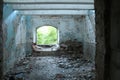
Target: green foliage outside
{"type": "Point", "coordinates": [46, 35]}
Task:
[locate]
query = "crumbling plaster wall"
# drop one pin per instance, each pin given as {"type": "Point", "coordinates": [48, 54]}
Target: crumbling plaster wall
{"type": "Point", "coordinates": [70, 27]}
{"type": "Point", "coordinates": [14, 37]}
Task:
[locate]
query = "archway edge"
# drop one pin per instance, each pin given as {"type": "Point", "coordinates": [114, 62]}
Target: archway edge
{"type": "Point", "coordinates": [46, 25]}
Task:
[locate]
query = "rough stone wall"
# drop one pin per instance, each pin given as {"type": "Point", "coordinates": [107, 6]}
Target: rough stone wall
{"type": "Point", "coordinates": [1, 40]}
{"type": "Point", "coordinates": [70, 27]}
{"type": "Point", "coordinates": [89, 38]}
{"type": "Point", "coordinates": [115, 40]}
{"type": "Point", "coordinates": [14, 31]}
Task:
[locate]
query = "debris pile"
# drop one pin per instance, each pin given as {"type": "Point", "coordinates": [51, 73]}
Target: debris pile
{"type": "Point", "coordinates": [53, 68]}
{"type": "Point", "coordinates": [19, 70]}
{"type": "Point", "coordinates": [71, 47]}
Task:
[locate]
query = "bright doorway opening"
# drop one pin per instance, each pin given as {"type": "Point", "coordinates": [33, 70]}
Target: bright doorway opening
{"type": "Point", "coordinates": [47, 35]}
{"type": "Point", "coordinates": [47, 39]}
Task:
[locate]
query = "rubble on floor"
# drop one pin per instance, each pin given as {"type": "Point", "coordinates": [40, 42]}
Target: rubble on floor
{"type": "Point", "coordinates": [71, 47]}
{"type": "Point", "coordinates": [67, 64]}
{"type": "Point", "coordinates": [63, 67]}
{"type": "Point", "coordinates": [67, 47]}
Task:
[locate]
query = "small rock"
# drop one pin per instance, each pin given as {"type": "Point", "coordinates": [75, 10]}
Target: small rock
{"type": "Point", "coordinates": [61, 65]}
{"type": "Point", "coordinates": [59, 76]}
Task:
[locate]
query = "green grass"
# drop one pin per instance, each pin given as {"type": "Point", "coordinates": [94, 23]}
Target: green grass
{"type": "Point", "coordinates": [46, 35]}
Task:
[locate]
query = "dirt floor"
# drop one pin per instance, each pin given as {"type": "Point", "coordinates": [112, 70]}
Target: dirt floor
{"type": "Point", "coordinates": [62, 67]}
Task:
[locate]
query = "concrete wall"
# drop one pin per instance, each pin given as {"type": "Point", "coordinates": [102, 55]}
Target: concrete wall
{"type": "Point", "coordinates": [14, 38]}
{"type": "Point", "coordinates": [100, 39]}
{"type": "Point", "coordinates": [89, 37]}
{"type": "Point", "coordinates": [29, 35]}
{"type": "Point", "coordinates": [70, 27]}
{"type": "Point", "coordinates": [81, 28]}
{"type": "Point", "coordinates": [102, 23]}
{"type": "Point", "coordinates": [108, 40]}
{"type": "Point", "coordinates": [1, 40]}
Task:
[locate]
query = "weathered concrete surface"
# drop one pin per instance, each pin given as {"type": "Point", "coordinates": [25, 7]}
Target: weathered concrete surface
{"type": "Point", "coordinates": [108, 40]}
{"type": "Point", "coordinates": [102, 39]}
{"type": "Point", "coordinates": [14, 32]}
{"type": "Point", "coordinates": [1, 40]}
{"type": "Point", "coordinates": [29, 34]}
{"type": "Point", "coordinates": [115, 40]}
{"type": "Point", "coordinates": [89, 50]}
{"type": "Point", "coordinates": [79, 28]}
{"type": "Point", "coordinates": [7, 10]}
{"type": "Point", "coordinates": [89, 37]}
{"type": "Point", "coordinates": [100, 46]}
{"type": "Point", "coordinates": [89, 30]}
{"type": "Point", "coordinates": [53, 6]}
{"type": "Point", "coordinates": [70, 27]}
{"type": "Point", "coordinates": [49, 1]}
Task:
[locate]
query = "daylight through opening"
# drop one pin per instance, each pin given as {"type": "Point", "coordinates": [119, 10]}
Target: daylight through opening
{"type": "Point", "coordinates": [47, 35]}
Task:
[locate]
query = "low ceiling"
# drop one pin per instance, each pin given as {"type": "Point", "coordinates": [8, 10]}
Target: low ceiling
{"type": "Point", "coordinates": [52, 7]}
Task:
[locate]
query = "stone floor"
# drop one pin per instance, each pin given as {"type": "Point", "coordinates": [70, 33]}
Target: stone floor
{"type": "Point", "coordinates": [62, 67]}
